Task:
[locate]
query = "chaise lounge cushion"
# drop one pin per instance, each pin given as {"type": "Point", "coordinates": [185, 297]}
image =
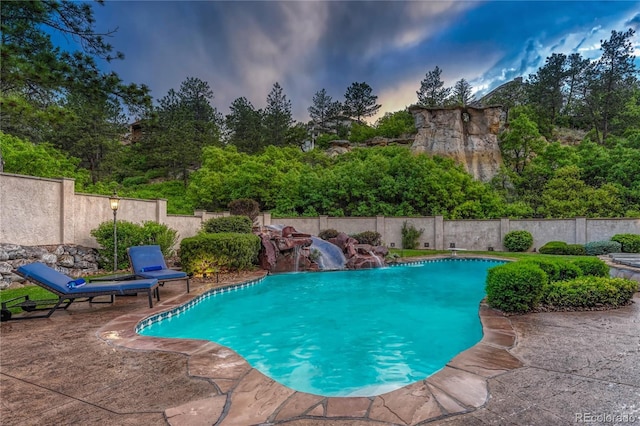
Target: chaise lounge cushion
{"type": "Point", "coordinates": [58, 281]}
{"type": "Point", "coordinates": [148, 262]}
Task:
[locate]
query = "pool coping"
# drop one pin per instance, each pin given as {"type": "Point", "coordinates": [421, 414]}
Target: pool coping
{"type": "Point", "coordinates": [246, 396]}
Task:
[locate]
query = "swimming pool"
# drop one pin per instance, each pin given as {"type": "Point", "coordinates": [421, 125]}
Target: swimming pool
{"type": "Point", "coordinates": [343, 333]}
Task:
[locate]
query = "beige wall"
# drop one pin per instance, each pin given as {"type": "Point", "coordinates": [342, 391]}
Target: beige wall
{"type": "Point", "coordinates": [30, 207]}
{"type": "Point", "coordinates": [37, 211]}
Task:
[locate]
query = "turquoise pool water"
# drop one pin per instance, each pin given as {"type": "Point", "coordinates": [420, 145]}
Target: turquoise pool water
{"type": "Point", "coordinates": [345, 333]}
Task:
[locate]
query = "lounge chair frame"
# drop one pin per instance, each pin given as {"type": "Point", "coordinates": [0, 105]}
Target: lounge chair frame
{"type": "Point", "coordinates": [65, 299]}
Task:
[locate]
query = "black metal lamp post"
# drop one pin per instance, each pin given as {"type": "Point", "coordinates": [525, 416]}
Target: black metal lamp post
{"type": "Point", "coordinates": [114, 201]}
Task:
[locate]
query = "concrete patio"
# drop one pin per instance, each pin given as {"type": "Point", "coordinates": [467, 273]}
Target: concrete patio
{"type": "Point", "coordinates": [87, 365]}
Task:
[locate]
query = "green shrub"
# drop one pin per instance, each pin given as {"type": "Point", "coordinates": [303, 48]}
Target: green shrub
{"type": "Point", "coordinates": [410, 236]}
{"type": "Point", "coordinates": [368, 237]}
{"type": "Point", "coordinates": [592, 267]}
{"type": "Point", "coordinates": [131, 234]}
{"type": "Point", "coordinates": [324, 141]}
{"type": "Point", "coordinates": [128, 234]}
{"type": "Point", "coordinates": [206, 253]}
{"type": "Point", "coordinates": [575, 250]}
{"type": "Point", "coordinates": [554, 247]}
{"type": "Point", "coordinates": [325, 234]}
{"type": "Point", "coordinates": [245, 207]}
{"type": "Point", "coordinates": [560, 247]}
{"type": "Point", "coordinates": [567, 270]}
{"type": "Point", "coordinates": [234, 224]}
{"type": "Point", "coordinates": [515, 287]}
{"type": "Point", "coordinates": [361, 132]}
{"type": "Point", "coordinates": [518, 241]}
{"type": "Point", "coordinates": [589, 291]}
{"type": "Point", "coordinates": [550, 267]}
{"type": "Point", "coordinates": [630, 242]}
{"type": "Point", "coordinates": [154, 233]}
{"type": "Point", "coordinates": [598, 248]}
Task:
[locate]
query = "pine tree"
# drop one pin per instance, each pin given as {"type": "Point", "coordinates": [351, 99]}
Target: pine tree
{"type": "Point", "coordinates": [359, 102]}
{"type": "Point", "coordinates": [432, 93]}
{"type": "Point", "coordinates": [319, 111]}
{"type": "Point", "coordinates": [277, 117]}
{"type": "Point", "coordinates": [610, 81]}
{"type": "Point", "coordinates": [462, 94]}
{"type": "Point", "coordinates": [244, 126]}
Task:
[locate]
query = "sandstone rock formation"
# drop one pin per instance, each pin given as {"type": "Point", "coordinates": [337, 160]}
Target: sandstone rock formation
{"type": "Point", "coordinates": [468, 135]}
{"type": "Point", "coordinates": [286, 250]}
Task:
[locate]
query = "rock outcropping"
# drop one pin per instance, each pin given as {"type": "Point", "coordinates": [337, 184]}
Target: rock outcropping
{"type": "Point", "coordinates": [72, 260]}
{"type": "Point", "coordinates": [286, 250]}
{"type": "Point", "coordinates": [466, 134]}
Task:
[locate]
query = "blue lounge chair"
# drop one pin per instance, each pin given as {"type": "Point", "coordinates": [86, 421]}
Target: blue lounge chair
{"type": "Point", "coordinates": [69, 289]}
{"type": "Point", "coordinates": [148, 262]}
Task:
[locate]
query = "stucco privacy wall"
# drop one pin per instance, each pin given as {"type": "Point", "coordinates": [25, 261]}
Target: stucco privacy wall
{"type": "Point", "coordinates": [31, 208]}
{"type": "Point", "coordinates": [37, 211]}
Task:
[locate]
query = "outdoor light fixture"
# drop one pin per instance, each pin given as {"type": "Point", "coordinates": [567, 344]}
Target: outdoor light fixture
{"type": "Point", "coordinates": [426, 244]}
{"type": "Point", "coordinates": [452, 245]}
{"type": "Point", "coordinates": [392, 244]}
{"type": "Point", "coordinates": [114, 202]}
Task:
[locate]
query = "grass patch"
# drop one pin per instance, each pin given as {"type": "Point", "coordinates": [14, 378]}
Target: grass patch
{"type": "Point", "coordinates": [33, 291]}
{"type": "Point", "coordinates": [501, 254]}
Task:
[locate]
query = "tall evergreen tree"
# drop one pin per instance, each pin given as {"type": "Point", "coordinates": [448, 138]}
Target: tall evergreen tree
{"type": "Point", "coordinates": [545, 87]}
{"type": "Point", "coordinates": [610, 81]}
{"type": "Point", "coordinates": [185, 122]}
{"type": "Point", "coordinates": [575, 74]}
{"type": "Point", "coordinates": [432, 91]}
{"type": "Point", "coordinates": [277, 117]}
{"type": "Point", "coordinates": [244, 126]}
{"type": "Point", "coordinates": [359, 102]}
{"type": "Point", "coordinates": [462, 93]}
{"type": "Point", "coordinates": [35, 76]}
{"type": "Point", "coordinates": [319, 111]}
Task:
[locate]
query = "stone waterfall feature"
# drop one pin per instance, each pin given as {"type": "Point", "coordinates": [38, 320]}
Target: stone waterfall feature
{"type": "Point", "coordinates": [466, 134]}
{"type": "Point", "coordinates": [286, 250]}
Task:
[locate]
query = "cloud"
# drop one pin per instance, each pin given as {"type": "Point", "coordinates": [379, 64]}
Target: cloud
{"type": "Point", "coordinates": [634, 22]}
{"type": "Point", "coordinates": [242, 48]}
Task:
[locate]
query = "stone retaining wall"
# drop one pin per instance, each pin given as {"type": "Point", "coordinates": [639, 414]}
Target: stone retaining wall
{"type": "Point", "coordinates": [72, 260]}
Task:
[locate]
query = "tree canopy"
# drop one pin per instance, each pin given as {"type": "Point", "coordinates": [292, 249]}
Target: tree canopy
{"type": "Point", "coordinates": [62, 114]}
{"type": "Point", "coordinates": [432, 91]}
{"type": "Point", "coordinates": [359, 101]}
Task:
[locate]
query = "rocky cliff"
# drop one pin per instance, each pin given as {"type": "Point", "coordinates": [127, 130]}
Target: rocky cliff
{"type": "Point", "coordinates": [468, 135]}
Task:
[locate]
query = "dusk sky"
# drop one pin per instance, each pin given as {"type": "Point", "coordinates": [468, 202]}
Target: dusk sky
{"type": "Point", "coordinates": [242, 48]}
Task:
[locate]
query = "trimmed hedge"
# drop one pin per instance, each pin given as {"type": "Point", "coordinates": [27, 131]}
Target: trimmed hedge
{"type": "Point", "coordinates": [368, 237]}
{"type": "Point", "coordinates": [517, 241]}
{"type": "Point", "coordinates": [515, 287]}
{"type": "Point", "coordinates": [206, 253]}
{"type": "Point", "coordinates": [589, 292]}
{"type": "Point", "coordinates": [630, 242]}
{"type": "Point", "coordinates": [550, 267]}
{"type": "Point", "coordinates": [567, 270]}
{"type": "Point", "coordinates": [554, 247]}
{"type": "Point", "coordinates": [592, 267]}
{"type": "Point", "coordinates": [598, 248]}
{"type": "Point", "coordinates": [575, 250]}
{"type": "Point", "coordinates": [560, 247]}
{"type": "Point", "coordinates": [234, 224]}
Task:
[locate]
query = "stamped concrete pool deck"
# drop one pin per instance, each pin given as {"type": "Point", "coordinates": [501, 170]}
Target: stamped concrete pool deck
{"type": "Point", "coordinates": [87, 365]}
